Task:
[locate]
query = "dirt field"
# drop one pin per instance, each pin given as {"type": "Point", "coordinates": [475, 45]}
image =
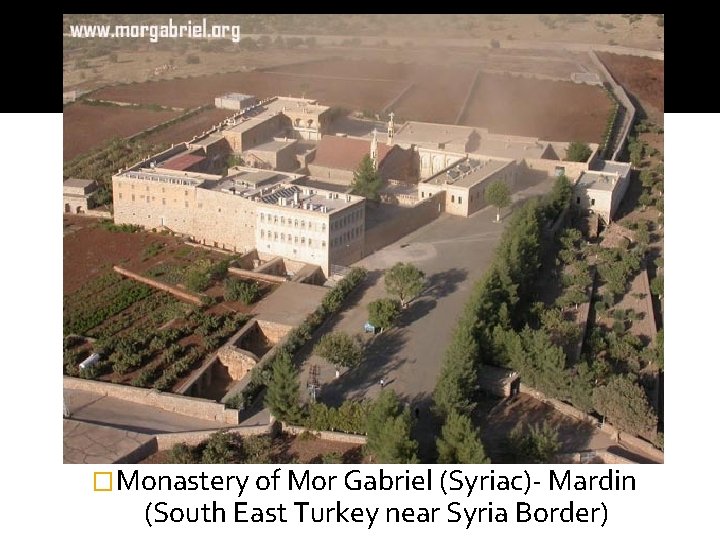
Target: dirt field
{"type": "Point", "coordinates": [641, 76]}
{"type": "Point", "coordinates": [353, 94]}
{"type": "Point", "coordinates": [186, 129]}
{"type": "Point", "coordinates": [91, 250]}
{"type": "Point", "coordinates": [89, 126]}
{"type": "Point", "coordinates": [555, 111]}
{"type": "Point", "coordinates": [437, 96]}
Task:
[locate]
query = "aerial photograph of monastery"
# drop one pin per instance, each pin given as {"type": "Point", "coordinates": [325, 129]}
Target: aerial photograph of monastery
{"type": "Point", "coordinates": [387, 239]}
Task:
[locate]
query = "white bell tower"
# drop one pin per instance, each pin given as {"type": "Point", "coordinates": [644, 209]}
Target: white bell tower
{"type": "Point", "coordinates": [374, 149]}
{"type": "Point", "coordinates": [391, 129]}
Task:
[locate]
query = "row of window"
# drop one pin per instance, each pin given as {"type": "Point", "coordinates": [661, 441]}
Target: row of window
{"type": "Point", "coordinates": [289, 222]}
{"type": "Point", "coordinates": [347, 236]}
{"type": "Point", "coordinates": [347, 219]}
{"type": "Point", "coordinates": [289, 238]}
{"type": "Point", "coordinates": [147, 188]}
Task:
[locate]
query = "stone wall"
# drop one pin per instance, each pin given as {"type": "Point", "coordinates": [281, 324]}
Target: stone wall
{"type": "Point", "coordinates": [593, 456]}
{"type": "Point", "coordinates": [209, 217]}
{"type": "Point", "coordinates": [188, 406]}
{"type": "Point", "coordinates": [336, 436]}
{"type": "Point", "coordinates": [182, 295]}
{"type": "Point", "coordinates": [251, 274]}
{"type": "Point", "coordinates": [392, 230]}
{"type": "Point", "coordinates": [275, 332]}
{"type": "Point", "coordinates": [237, 361]}
{"type": "Point", "coordinates": [628, 440]}
{"type": "Point", "coordinates": [165, 441]}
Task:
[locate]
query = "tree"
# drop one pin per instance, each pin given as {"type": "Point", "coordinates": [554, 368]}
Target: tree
{"type": "Point", "coordinates": [456, 386]}
{"type": "Point", "coordinates": [624, 403]}
{"type": "Point", "coordinates": [459, 441]}
{"type": "Point", "coordinates": [245, 291]}
{"type": "Point", "coordinates": [388, 430]}
{"type": "Point", "coordinates": [339, 349]}
{"type": "Point", "coordinates": [283, 389]}
{"type": "Point", "coordinates": [538, 445]}
{"type": "Point", "coordinates": [366, 180]}
{"type": "Point", "coordinates": [197, 280]}
{"type": "Point", "coordinates": [181, 453]}
{"type": "Point", "coordinates": [383, 312]}
{"type": "Point", "coordinates": [657, 287]}
{"type": "Point", "coordinates": [404, 280]}
{"type": "Point", "coordinates": [577, 151]}
{"type": "Point", "coordinates": [645, 199]}
{"type": "Point", "coordinates": [219, 448]}
{"type": "Point", "coordinates": [498, 195]}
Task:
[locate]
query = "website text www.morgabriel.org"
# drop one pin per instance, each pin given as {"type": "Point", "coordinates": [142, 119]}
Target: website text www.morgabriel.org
{"type": "Point", "coordinates": [154, 32]}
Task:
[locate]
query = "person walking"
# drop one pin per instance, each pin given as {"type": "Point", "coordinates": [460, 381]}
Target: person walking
{"type": "Point", "coordinates": [382, 384]}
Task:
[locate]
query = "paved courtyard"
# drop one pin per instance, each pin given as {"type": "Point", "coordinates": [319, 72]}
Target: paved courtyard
{"type": "Point", "coordinates": [454, 252]}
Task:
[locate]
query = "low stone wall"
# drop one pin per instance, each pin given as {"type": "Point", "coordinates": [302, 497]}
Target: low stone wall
{"type": "Point", "coordinates": [593, 456]}
{"type": "Point", "coordinates": [182, 295]}
{"type": "Point", "coordinates": [188, 406]}
{"type": "Point", "coordinates": [336, 436]}
{"type": "Point", "coordinates": [165, 441]}
{"type": "Point", "coordinates": [105, 214]}
{"type": "Point", "coordinates": [249, 274]}
{"type": "Point", "coordinates": [627, 440]}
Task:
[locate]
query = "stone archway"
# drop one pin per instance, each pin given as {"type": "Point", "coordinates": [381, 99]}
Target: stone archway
{"type": "Point", "coordinates": [79, 210]}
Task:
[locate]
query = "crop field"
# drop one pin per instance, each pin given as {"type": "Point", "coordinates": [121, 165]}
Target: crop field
{"type": "Point", "coordinates": [184, 130]}
{"type": "Point", "coordinates": [146, 337]}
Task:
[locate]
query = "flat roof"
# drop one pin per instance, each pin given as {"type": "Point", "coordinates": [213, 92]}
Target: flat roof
{"type": "Point", "coordinates": [508, 147]}
{"type": "Point", "coordinates": [467, 173]}
{"type": "Point", "coordinates": [182, 162]}
{"type": "Point", "coordinates": [185, 179]}
{"type": "Point", "coordinates": [432, 133]}
{"type": "Point", "coordinates": [597, 180]}
{"type": "Point", "coordinates": [271, 146]}
{"type": "Point", "coordinates": [78, 182]}
{"type": "Point", "coordinates": [613, 167]}
{"type": "Point", "coordinates": [236, 95]}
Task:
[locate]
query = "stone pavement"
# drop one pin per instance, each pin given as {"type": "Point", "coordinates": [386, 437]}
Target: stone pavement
{"type": "Point", "coordinates": [91, 443]}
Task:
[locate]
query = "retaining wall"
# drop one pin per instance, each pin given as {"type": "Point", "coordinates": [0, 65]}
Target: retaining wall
{"type": "Point", "coordinates": [336, 436]}
{"type": "Point", "coordinates": [623, 98]}
{"type": "Point", "coordinates": [182, 295]}
{"type": "Point", "coordinates": [630, 441]}
{"type": "Point", "coordinates": [249, 274]}
{"type": "Point", "coordinates": [188, 406]}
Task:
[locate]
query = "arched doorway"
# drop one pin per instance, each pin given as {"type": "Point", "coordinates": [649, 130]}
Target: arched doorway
{"type": "Point", "coordinates": [67, 208]}
{"type": "Point", "coordinates": [79, 210]}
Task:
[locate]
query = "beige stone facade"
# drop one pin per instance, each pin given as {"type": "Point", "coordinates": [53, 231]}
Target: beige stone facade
{"type": "Point", "coordinates": [464, 184]}
{"type": "Point", "coordinates": [77, 195]}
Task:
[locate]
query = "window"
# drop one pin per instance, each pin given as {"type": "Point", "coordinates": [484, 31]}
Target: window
{"type": "Point", "coordinates": [282, 220]}
{"type": "Point", "coordinates": [578, 200]}
{"type": "Point", "coordinates": [452, 198]}
{"type": "Point", "coordinates": [323, 226]}
{"type": "Point", "coordinates": [119, 195]}
{"type": "Point", "coordinates": [324, 244]}
{"type": "Point", "coordinates": [309, 241]}
{"type": "Point", "coordinates": [282, 237]}
{"type": "Point", "coordinates": [163, 201]}
{"type": "Point", "coordinates": [295, 239]}
{"type": "Point", "coordinates": [422, 194]}
{"type": "Point", "coordinates": [262, 217]}
{"type": "Point", "coordinates": [592, 202]}
{"type": "Point", "coordinates": [133, 197]}
{"type": "Point", "coordinates": [302, 240]}
{"type": "Point", "coordinates": [275, 218]}
{"type": "Point", "coordinates": [459, 200]}
{"type": "Point", "coordinates": [302, 224]}
{"type": "Point", "coordinates": [262, 233]}
{"type": "Point", "coordinates": [275, 235]}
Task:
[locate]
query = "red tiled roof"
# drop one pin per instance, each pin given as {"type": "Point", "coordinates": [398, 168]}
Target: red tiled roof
{"type": "Point", "coordinates": [182, 163]}
{"type": "Point", "coordinates": [345, 153]}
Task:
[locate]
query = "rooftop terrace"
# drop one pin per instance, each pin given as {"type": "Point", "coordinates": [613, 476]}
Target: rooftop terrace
{"type": "Point", "coordinates": [468, 173]}
{"type": "Point", "coordinates": [598, 180]}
